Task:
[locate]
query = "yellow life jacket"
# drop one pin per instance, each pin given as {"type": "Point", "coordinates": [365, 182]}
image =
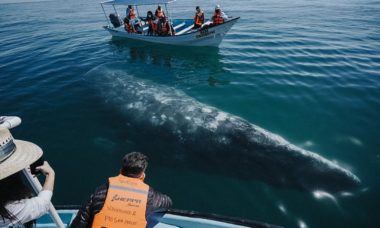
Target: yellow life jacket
{"type": "Point", "coordinates": [125, 204]}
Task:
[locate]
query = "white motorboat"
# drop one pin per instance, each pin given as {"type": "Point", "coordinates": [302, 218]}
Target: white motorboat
{"type": "Point", "coordinates": [185, 34]}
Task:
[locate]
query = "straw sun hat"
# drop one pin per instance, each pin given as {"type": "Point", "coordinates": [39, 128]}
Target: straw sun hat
{"type": "Point", "coordinates": [15, 155]}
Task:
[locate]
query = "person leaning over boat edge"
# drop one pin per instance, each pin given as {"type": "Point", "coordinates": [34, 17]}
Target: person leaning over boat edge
{"type": "Point", "coordinates": [118, 199]}
{"type": "Point", "coordinates": [17, 206]}
{"type": "Point", "coordinates": [199, 17]}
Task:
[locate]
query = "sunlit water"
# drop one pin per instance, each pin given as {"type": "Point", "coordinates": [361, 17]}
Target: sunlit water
{"type": "Point", "coordinates": [305, 70]}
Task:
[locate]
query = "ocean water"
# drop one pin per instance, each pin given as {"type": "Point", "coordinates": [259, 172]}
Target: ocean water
{"type": "Point", "coordinates": [308, 71]}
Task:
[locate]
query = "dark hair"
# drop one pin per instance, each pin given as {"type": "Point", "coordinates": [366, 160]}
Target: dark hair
{"type": "Point", "coordinates": [13, 188]}
{"type": "Point", "coordinates": [197, 8]}
{"type": "Point", "coordinates": [149, 15]}
{"type": "Point", "coordinates": [134, 164]}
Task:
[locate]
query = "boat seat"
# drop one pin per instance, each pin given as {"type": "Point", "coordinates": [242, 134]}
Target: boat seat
{"type": "Point", "coordinates": [184, 30]}
{"type": "Point", "coordinates": [179, 25]}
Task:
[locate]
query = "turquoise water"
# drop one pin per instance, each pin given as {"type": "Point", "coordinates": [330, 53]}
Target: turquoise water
{"type": "Point", "coordinates": [305, 70]}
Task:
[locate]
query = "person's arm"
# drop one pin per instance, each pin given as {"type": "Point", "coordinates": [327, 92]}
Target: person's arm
{"type": "Point", "coordinates": [159, 26]}
{"type": "Point", "coordinates": [93, 205]}
{"type": "Point", "coordinates": [29, 209]}
{"type": "Point", "coordinates": [168, 27]}
{"type": "Point", "coordinates": [49, 174]}
{"type": "Point", "coordinates": [157, 200]}
{"type": "Point", "coordinates": [224, 15]}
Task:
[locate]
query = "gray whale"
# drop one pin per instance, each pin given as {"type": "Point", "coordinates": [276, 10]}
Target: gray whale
{"type": "Point", "coordinates": [203, 137]}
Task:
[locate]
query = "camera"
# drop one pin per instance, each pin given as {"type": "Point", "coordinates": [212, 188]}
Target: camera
{"type": "Point", "coordinates": [34, 165]}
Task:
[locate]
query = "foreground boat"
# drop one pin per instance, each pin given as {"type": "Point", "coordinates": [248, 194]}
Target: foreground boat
{"type": "Point", "coordinates": [167, 218]}
{"type": "Point", "coordinates": [184, 33]}
{"type": "Point", "coordinates": [62, 216]}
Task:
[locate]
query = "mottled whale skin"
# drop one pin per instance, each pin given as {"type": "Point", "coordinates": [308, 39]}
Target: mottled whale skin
{"type": "Point", "coordinates": [205, 137]}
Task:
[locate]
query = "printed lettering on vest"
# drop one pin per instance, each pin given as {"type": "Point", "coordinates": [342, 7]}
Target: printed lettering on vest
{"type": "Point", "coordinates": [125, 204]}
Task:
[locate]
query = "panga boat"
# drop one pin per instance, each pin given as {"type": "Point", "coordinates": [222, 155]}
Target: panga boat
{"type": "Point", "coordinates": [165, 219]}
{"type": "Point", "coordinates": [185, 35]}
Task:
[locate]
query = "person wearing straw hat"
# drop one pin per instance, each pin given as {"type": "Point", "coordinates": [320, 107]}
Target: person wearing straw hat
{"type": "Point", "coordinates": [17, 206]}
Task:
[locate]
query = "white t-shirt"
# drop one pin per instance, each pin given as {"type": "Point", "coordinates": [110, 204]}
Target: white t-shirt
{"type": "Point", "coordinates": [26, 210]}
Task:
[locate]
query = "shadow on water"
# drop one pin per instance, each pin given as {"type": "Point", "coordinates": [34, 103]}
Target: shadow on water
{"type": "Point", "coordinates": [181, 62]}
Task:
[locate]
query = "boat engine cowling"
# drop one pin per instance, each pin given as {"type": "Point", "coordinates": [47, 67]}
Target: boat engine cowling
{"type": "Point", "coordinates": [115, 20]}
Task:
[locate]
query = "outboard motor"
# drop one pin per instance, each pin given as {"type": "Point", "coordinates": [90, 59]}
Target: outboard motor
{"type": "Point", "coordinates": [115, 20]}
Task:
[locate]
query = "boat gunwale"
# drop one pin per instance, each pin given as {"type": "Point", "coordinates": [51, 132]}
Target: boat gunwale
{"type": "Point", "coordinates": [192, 214]}
{"type": "Point", "coordinates": [184, 34]}
{"type": "Point", "coordinates": [217, 217]}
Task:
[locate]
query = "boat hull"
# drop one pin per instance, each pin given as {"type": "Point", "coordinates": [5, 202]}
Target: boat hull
{"type": "Point", "coordinates": [167, 218]}
{"type": "Point", "coordinates": [211, 36]}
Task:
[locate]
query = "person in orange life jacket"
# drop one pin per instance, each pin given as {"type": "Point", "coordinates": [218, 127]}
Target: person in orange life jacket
{"type": "Point", "coordinates": [164, 28]}
{"type": "Point", "coordinates": [159, 12]}
{"type": "Point", "coordinates": [150, 20]}
{"type": "Point", "coordinates": [130, 12]}
{"type": "Point", "coordinates": [123, 198]}
{"type": "Point", "coordinates": [128, 26]}
{"type": "Point", "coordinates": [219, 16]}
{"type": "Point", "coordinates": [199, 17]}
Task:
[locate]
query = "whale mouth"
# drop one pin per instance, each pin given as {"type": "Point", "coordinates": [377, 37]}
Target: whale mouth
{"type": "Point", "coordinates": [190, 134]}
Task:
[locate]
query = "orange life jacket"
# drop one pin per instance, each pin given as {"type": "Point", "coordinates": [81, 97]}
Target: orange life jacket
{"type": "Point", "coordinates": [129, 28]}
{"type": "Point", "coordinates": [125, 204]}
{"type": "Point", "coordinates": [199, 18]}
{"type": "Point", "coordinates": [152, 25]}
{"type": "Point", "coordinates": [218, 19]}
{"type": "Point", "coordinates": [132, 14]}
{"type": "Point", "coordinates": [165, 28]}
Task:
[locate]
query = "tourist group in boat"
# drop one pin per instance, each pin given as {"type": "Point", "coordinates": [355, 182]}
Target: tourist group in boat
{"type": "Point", "coordinates": [159, 24]}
